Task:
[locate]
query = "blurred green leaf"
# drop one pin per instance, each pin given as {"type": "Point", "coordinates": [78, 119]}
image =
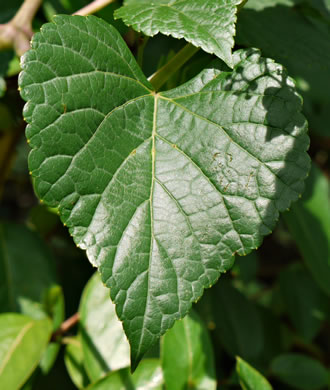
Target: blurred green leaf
{"type": "Point", "coordinates": [54, 307]}
{"type": "Point", "coordinates": [277, 338]}
{"type": "Point", "coordinates": [26, 271]}
{"type": "Point", "coordinates": [250, 378]}
{"type": "Point", "coordinates": [55, 7]}
{"type": "Point", "coordinates": [300, 371]}
{"type": "Point", "coordinates": [148, 376]}
{"type": "Point", "coordinates": [104, 343]}
{"type": "Point", "coordinates": [295, 43]}
{"type": "Point", "coordinates": [8, 9]}
{"type": "Point", "coordinates": [74, 362]}
{"type": "Point", "coordinates": [238, 323]}
{"type": "Point", "coordinates": [245, 267]}
{"type": "Point", "coordinates": [5, 60]}
{"type": "Point", "coordinates": [187, 356]}
{"type": "Point", "coordinates": [309, 224]}
{"type": "Point", "coordinates": [42, 219]}
{"type": "Point", "coordinates": [306, 304]}
{"type": "Point", "coordinates": [22, 343]}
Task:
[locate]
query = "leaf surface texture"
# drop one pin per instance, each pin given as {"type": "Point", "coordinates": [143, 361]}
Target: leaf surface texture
{"type": "Point", "coordinates": [161, 189]}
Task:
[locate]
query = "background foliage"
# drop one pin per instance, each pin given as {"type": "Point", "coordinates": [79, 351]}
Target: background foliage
{"type": "Point", "coordinates": [264, 325]}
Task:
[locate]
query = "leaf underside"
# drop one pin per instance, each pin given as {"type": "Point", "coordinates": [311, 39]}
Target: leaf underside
{"type": "Point", "coordinates": [209, 24]}
{"type": "Point", "coordinates": [161, 189]}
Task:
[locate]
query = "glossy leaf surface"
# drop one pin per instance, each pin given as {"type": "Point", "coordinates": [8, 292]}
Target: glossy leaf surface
{"type": "Point", "coordinates": [161, 189]}
{"type": "Point", "coordinates": [209, 24]}
{"type": "Point", "coordinates": [148, 376]}
{"type": "Point", "coordinates": [187, 356]}
{"type": "Point", "coordinates": [22, 342]}
{"type": "Point", "coordinates": [104, 344]}
{"type": "Point", "coordinates": [250, 378]}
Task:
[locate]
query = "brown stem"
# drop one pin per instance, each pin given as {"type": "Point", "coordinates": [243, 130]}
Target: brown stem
{"type": "Point", "coordinates": [17, 32]}
{"type": "Point", "coordinates": [93, 7]}
{"type": "Point", "coordinates": [66, 326]}
{"type": "Point", "coordinates": [24, 16]}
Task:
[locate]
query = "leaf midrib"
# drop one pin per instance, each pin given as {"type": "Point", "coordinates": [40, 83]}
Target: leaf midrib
{"type": "Point", "coordinates": [15, 344]}
{"type": "Point", "coordinates": [152, 235]}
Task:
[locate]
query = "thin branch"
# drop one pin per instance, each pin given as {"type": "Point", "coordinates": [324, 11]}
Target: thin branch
{"type": "Point", "coordinates": [18, 31]}
{"type": "Point", "coordinates": [66, 326]}
{"type": "Point", "coordinates": [93, 7]}
{"type": "Point", "coordinates": [24, 16]}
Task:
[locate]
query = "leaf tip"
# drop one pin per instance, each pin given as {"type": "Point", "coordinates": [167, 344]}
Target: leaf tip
{"type": "Point", "coordinates": [134, 363]}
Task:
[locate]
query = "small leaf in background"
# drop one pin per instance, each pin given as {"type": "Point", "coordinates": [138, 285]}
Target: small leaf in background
{"type": "Point", "coordinates": [277, 338]}
{"type": "Point", "coordinates": [26, 271]}
{"type": "Point", "coordinates": [306, 304]}
{"type": "Point", "coordinates": [308, 223]}
{"type": "Point", "coordinates": [238, 323]}
{"type": "Point", "coordinates": [22, 343]}
{"type": "Point", "coordinates": [74, 362]}
{"type": "Point", "coordinates": [148, 376]}
{"type": "Point", "coordinates": [215, 20]}
{"type": "Point", "coordinates": [250, 378]}
{"type": "Point", "coordinates": [28, 277]}
{"type": "Point", "coordinates": [104, 344]}
{"type": "Point", "coordinates": [182, 180]}
{"type": "Point", "coordinates": [300, 371]}
{"type": "Point", "coordinates": [187, 356]}
{"type": "Point", "coordinates": [54, 307]}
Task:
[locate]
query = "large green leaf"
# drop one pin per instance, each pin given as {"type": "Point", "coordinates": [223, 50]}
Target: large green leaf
{"type": "Point", "coordinates": [104, 344]}
{"type": "Point", "coordinates": [22, 342]}
{"type": "Point", "coordinates": [161, 189]}
{"type": "Point", "coordinates": [209, 24]}
{"type": "Point", "coordinates": [187, 356]}
{"type": "Point", "coordinates": [308, 222]}
{"type": "Point", "coordinates": [300, 371]}
{"type": "Point", "coordinates": [26, 271]}
{"type": "Point", "coordinates": [148, 376]}
{"type": "Point", "coordinates": [250, 378]}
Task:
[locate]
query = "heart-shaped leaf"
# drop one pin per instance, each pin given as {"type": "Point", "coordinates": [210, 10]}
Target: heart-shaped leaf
{"type": "Point", "coordinates": [209, 24]}
{"type": "Point", "coordinates": [161, 189]}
